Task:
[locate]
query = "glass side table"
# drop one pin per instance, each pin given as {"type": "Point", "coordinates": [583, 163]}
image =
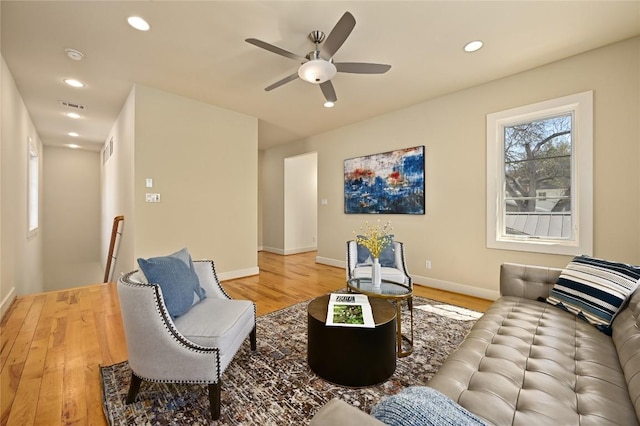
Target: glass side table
{"type": "Point", "coordinates": [396, 293]}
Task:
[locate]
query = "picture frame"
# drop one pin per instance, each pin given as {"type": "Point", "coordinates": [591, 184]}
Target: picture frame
{"type": "Point", "coordinates": [391, 182]}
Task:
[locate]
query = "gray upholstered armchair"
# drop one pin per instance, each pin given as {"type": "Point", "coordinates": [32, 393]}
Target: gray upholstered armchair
{"type": "Point", "coordinates": [196, 347]}
{"type": "Point", "coordinates": [396, 271]}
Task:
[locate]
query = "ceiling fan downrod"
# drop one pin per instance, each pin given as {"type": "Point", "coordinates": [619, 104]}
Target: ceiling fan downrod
{"type": "Point", "coordinates": [316, 37]}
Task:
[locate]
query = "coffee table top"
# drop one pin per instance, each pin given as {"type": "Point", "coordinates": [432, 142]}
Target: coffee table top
{"type": "Point", "coordinates": [387, 289]}
{"type": "Point", "coordinates": [382, 311]}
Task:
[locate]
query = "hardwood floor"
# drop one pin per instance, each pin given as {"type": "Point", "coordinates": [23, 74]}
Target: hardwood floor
{"type": "Point", "coordinates": [52, 344]}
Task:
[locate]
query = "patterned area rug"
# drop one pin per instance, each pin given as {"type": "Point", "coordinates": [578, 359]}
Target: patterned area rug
{"type": "Point", "coordinates": [274, 385]}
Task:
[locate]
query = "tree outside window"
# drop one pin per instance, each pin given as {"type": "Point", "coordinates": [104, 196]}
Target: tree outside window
{"type": "Point", "coordinates": [537, 176]}
{"type": "Point", "coordinates": [540, 177]}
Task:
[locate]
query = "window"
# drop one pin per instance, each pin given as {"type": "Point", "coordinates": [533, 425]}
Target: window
{"type": "Point", "coordinates": [540, 177]}
{"type": "Point", "coordinates": [33, 187]}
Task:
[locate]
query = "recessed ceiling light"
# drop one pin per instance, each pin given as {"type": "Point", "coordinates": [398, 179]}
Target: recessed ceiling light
{"type": "Point", "coordinates": [73, 134]}
{"type": "Point", "coordinates": [73, 82]}
{"type": "Point", "coordinates": [72, 115]}
{"type": "Point", "coordinates": [329, 104]}
{"type": "Point", "coordinates": [73, 145]}
{"type": "Point", "coordinates": [138, 23]}
{"type": "Point", "coordinates": [74, 54]}
{"type": "Point", "coordinates": [472, 46]}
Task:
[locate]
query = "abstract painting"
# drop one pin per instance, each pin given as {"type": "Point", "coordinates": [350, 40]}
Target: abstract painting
{"type": "Point", "coordinates": [387, 183]}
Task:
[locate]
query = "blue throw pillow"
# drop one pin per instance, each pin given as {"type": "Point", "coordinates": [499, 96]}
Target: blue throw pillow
{"type": "Point", "coordinates": [176, 276]}
{"type": "Point", "coordinates": [186, 258]}
{"type": "Point", "coordinates": [422, 405]}
{"type": "Point", "coordinates": [387, 256]}
{"type": "Point", "coordinates": [595, 289]}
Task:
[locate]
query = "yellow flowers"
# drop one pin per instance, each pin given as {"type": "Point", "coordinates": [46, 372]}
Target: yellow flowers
{"type": "Point", "coordinates": [374, 237]}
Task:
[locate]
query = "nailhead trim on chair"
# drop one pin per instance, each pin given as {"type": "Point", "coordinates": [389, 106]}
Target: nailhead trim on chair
{"type": "Point", "coordinates": [195, 382]}
{"type": "Point", "coordinates": [404, 266]}
{"type": "Point", "coordinates": [215, 275]}
{"type": "Point", "coordinates": [168, 323]}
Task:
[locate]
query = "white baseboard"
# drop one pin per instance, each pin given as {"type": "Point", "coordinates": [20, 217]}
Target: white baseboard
{"type": "Point", "coordinates": [331, 262]}
{"type": "Point", "coordinates": [289, 251]}
{"type": "Point", "coordinates": [230, 275]}
{"type": "Point", "coordinates": [273, 250]}
{"type": "Point", "coordinates": [300, 250]}
{"type": "Point", "coordinates": [456, 288]}
{"type": "Point", "coordinates": [429, 282]}
{"type": "Point", "coordinates": [6, 302]}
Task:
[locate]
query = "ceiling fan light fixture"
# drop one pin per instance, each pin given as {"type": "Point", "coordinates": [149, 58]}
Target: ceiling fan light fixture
{"type": "Point", "coordinates": [329, 104]}
{"type": "Point", "coordinates": [317, 71]}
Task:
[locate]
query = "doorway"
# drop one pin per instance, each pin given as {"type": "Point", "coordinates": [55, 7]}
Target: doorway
{"type": "Point", "coordinates": [301, 203]}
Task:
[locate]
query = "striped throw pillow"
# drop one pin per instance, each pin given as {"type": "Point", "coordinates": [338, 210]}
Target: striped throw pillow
{"type": "Point", "coordinates": [595, 289]}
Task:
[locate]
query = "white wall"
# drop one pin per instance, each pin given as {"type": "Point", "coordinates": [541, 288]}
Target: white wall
{"type": "Point", "coordinates": [301, 203]}
{"type": "Point", "coordinates": [20, 258]}
{"type": "Point", "coordinates": [71, 237]}
{"type": "Point", "coordinates": [204, 163]}
{"type": "Point", "coordinates": [452, 127]}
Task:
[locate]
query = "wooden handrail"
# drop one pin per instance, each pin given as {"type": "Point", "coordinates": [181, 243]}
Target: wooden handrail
{"type": "Point", "coordinates": [114, 234]}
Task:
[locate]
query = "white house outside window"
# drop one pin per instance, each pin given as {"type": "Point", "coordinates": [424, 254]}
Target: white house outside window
{"type": "Point", "coordinates": [539, 177]}
{"type": "Point", "coordinates": [33, 188]}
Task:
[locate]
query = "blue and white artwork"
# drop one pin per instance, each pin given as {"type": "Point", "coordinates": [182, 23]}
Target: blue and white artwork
{"type": "Point", "coordinates": [387, 183]}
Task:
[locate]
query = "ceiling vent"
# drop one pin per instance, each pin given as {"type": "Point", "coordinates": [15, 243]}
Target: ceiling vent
{"type": "Point", "coordinates": [72, 105]}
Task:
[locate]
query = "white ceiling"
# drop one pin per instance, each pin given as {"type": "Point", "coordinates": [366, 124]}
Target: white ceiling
{"type": "Point", "coordinates": [197, 50]}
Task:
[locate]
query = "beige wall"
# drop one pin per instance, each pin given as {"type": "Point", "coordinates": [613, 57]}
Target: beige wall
{"type": "Point", "coordinates": [116, 188]}
{"type": "Point", "coordinates": [71, 222]}
{"type": "Point", "coordinates": [453, 129]}
{"type": "Point", "coordinates": [204, 163]}
{"type": "Point", "coordinates": [20, 258]}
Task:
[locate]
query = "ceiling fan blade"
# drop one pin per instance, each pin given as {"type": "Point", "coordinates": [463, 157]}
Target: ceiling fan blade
{"type": "Point", "coordinates": [362, 68]}
{"type": "Point", "coordinates": [328, 91]}
{"type": "Point", "coordinates": [275, 49]}
{"type": "Point", "coordinates": [281, 82]}
{"type": "Point", "coordinates": [337, 36]}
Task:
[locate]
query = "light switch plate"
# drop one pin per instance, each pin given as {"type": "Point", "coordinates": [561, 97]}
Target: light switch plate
{"type": "Point", "coordinates": [151, 197]}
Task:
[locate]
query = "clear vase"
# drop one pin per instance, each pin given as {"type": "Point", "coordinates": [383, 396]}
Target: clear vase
{"type": "Point", "coordinates": [376, 274]}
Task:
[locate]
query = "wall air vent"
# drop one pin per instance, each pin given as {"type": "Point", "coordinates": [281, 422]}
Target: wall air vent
{"type": "Point", "coordinates": [72, 105]}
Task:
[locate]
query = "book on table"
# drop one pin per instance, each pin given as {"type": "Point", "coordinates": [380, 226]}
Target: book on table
{"type": "Point", "coordinates": [349, 310]}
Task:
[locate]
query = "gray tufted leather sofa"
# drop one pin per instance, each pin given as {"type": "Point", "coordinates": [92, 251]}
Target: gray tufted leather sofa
{"type": "Point", "coordinates": [526, 362]}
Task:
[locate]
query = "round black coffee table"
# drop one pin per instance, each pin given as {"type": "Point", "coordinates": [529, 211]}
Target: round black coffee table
{"type": "Point", "coordinates": [352, 356]}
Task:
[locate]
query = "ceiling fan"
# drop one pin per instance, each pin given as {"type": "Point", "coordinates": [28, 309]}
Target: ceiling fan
{"type": "Point", "coordinates": [318, 66]}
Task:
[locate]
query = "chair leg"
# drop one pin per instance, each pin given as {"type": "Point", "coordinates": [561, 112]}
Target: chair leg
{"type": "Point", "coordinates": [214, 400]}
{"type": "Point", "coordinates": [253, 339]}
{"type": "Point", "coordinates": [134, 387]}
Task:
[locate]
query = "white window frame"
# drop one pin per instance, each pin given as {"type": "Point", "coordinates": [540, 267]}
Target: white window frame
{"type": "Point", "coordinates": [33, 188]}
{"type": "Point", "coordinates": [581, 106]}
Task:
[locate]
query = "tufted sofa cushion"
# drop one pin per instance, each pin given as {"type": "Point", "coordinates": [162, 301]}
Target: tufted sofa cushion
{"type": "Point", "coordinates": [626, 337]}
{"type": "Point", "coordinates": [527, 362]}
